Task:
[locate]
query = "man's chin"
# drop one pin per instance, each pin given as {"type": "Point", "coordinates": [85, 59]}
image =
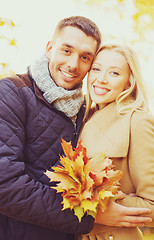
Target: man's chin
{"type": "Point", "coordinates": [66, 86]}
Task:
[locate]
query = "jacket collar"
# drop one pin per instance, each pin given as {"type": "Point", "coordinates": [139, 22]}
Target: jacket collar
{"type": "Point", "coordinates": [109, 131]}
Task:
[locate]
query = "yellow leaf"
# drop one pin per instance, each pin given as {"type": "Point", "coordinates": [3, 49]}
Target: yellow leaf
{"type": "Point", "coordinates": [12, 23]}
{"type": "Point", "coordinates": [12, 42]}
{"type": "Point", "coordinates": [99, 162]}
{"type": "Point", "coordinates": [66, 204]}
{"type": "Point", "coordinates": [59, 169]}
{"type": "Point", "coordinates": [65, 161]}
{"type": "Point", "coordinates": [89, 205]}
{"type": "Point", "coordinates": [67, 148]}
{"type": "Point", "coordinates": [143, 7]}
{"type": "Point", "coordinates": [4, 65]}
{"type": "Point", "coordinates": [104, 194]}
{"type": "Point", "coordinates": [1, 23]}
{"type": "Point", "coordinates": [66, 182]}
{"type": "Point", "coordinates": [89, 182]}
{"type": "Point", "coordinates": [5, 21]}
{"type": "Point", "coordinates": [78, 211]}
{"type": "Point", "coordinates": [70, 168]}
{"type": "Point", "coordinates": [92, 213]}
{"type": "Point", "coordinates": [78, 168]}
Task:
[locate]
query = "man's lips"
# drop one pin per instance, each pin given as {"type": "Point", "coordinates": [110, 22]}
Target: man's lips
{"type": "Point", "coordinates": [100, 90]}
{"type": "Point", "coordinates": [67, 75]}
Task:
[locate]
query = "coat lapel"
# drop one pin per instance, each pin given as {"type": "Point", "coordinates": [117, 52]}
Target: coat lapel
{"type": "Point", "coordinates": [107, 132]}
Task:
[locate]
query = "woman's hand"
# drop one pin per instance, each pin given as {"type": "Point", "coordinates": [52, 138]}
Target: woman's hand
{"type": "Point", "coordinates": [121, 216]}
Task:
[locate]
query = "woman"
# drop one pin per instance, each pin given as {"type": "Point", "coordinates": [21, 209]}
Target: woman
{"type": "Point", "coordinates": [120, 126]}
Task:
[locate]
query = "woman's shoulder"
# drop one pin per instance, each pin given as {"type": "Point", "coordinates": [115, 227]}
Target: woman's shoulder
{"type": "Point", "coordinates": [142, 119]}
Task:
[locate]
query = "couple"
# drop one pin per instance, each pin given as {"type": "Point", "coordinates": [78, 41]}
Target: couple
{"type": "Point", "coordinates": [45, 104]}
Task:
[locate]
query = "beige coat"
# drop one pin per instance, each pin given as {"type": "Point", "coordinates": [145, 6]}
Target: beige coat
{"type": "Point", "coordinates": [129, 141]}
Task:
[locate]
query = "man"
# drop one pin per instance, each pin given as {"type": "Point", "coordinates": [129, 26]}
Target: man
{"type": "Point", "coordinates": [36, 110]}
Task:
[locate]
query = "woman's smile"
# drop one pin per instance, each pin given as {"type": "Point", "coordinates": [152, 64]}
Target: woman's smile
{"type": "Point", "coordinates": [100, 90]}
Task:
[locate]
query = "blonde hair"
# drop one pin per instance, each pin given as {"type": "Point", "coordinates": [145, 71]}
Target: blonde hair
{"type": "Point", "coordinates": [134, 97]}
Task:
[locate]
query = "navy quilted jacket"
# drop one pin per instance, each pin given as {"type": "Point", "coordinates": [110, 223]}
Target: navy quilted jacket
{"type": "Point", "coordinates": [30, 136]}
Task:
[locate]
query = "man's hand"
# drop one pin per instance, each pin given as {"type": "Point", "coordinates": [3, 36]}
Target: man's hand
{"type": "Point", "coordinates": [120, 216]}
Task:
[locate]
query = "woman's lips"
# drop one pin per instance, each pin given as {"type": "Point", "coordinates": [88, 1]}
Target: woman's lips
{"type": "Point", "coordinates": [100, 90]}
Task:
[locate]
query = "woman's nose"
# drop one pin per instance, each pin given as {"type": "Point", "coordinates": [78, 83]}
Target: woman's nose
{"type": "Point", "coordinates": [102, 78]}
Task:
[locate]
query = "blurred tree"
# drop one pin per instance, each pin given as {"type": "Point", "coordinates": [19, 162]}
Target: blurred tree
{"type": "Point", "coordinates": [4, 66]}
{"type": "Point", "coordinates": [145, 8]}
{"type": "Point", "coordinates": [143, 17]}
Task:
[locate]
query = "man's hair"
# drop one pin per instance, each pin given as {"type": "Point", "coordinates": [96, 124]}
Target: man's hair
{"type": "Point", "coordinates": [82, 23]}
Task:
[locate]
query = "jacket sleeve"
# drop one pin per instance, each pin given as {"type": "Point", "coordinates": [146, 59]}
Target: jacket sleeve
{"type": "Point", "coordinates": [21, 196]}
{"type": "Point", "coordinates": [141, 162]}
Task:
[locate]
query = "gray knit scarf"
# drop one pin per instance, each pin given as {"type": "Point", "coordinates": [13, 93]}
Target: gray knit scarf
{"type": "Point", "coordinates": [67, 101]}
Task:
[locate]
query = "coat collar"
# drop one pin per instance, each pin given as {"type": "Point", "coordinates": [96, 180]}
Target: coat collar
{"type": "Point", "coordinates": [108, 132]}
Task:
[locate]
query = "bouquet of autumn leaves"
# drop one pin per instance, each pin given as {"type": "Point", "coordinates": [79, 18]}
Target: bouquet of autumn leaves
{"type": "Point", "coordinates": [84, 183]}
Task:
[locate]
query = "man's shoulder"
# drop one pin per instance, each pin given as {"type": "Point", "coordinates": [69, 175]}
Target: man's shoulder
{"type": "Point", "coordinates": [20, 80]}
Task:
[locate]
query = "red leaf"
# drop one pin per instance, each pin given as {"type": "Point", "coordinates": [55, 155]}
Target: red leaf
{"type": "Point", "coordinates": [81, 149]}
{"type": "Point", "coordinates": [93, 176]}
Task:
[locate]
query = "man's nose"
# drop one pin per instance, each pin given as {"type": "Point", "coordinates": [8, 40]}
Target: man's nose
{"type": "Point", "coordinates": [73, 62]}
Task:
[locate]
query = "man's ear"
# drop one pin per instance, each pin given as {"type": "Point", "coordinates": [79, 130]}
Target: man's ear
{"type": "Point", "coordinates": [48, 47]}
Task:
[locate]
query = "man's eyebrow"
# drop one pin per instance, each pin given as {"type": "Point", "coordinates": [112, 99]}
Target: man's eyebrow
{"type": "Point", "coordinates": [86, 52]}
{"type": "Point", "coordinates": [90, 54]}
{"type": "Point", "coordinates": [67, 45]}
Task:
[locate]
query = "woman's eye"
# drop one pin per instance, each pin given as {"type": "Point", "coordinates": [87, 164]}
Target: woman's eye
{"type": "Point", "coordinates": [114, 73]}
{"type": "Point", "coordinates": [95, 69]}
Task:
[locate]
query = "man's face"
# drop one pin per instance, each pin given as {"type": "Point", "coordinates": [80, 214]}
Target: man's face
{"type": "Point", "coordinates": [70, 56]}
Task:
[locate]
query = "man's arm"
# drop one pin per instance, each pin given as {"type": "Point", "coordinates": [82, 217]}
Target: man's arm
{"type": "Point", "coordinates": [21, 196]}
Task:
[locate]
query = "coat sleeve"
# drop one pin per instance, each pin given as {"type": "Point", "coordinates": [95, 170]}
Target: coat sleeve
{"type": "Point", "coordinates": [21, 196]}
{"type": "Point", "coordinates": [141, 162]}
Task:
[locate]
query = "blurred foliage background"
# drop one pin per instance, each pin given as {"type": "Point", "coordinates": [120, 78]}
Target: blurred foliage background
{"type": "Point", "coordinates": [4, 65]}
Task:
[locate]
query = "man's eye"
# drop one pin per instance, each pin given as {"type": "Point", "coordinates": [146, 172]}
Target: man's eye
{"type": "Point", "coordinates": [66, 51]}
{"type": "Point", "coordinates": [85, 58]}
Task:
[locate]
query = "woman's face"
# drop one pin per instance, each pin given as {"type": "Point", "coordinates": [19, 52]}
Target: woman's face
{"type": "Point", "coordinates": [108, 77]}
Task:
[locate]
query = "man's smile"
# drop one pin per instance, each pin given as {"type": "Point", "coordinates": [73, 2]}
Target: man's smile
{"type": "Point", "coordinates": [67, 75]}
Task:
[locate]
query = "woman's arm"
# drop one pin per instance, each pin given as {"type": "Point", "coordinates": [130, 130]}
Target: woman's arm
{"type": "Point", "coordinates": [121, 216]}
{"type": "Point", "coordinates": [141, 163]}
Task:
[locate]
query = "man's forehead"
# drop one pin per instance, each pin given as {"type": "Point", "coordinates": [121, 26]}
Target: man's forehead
{"type": "Point", "coordinates": [74, 37]}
